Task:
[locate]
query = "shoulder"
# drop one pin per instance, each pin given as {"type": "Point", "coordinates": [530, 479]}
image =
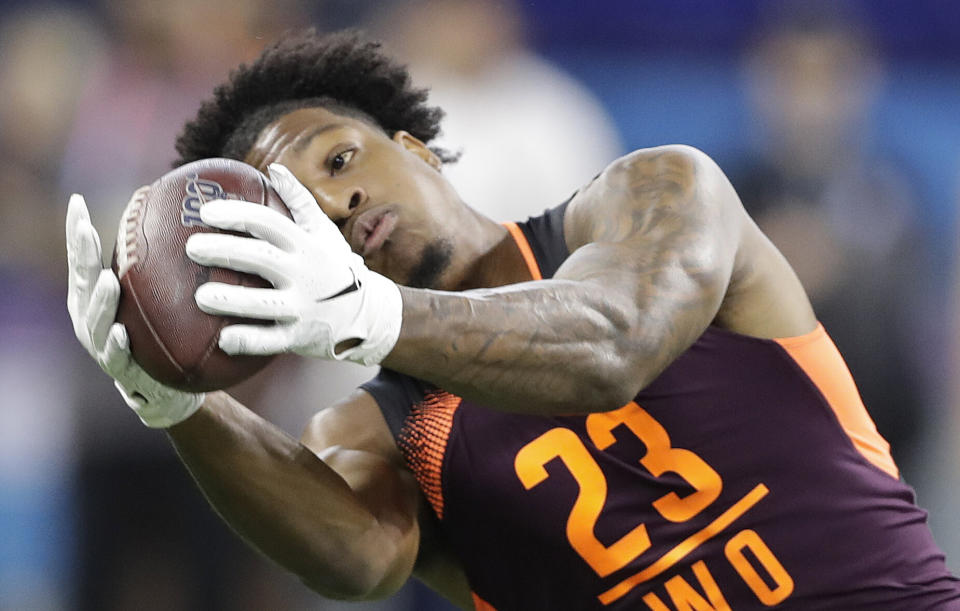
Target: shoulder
{"type": "Point", "coordinates": [677, 179]}
{"type": "Point", "coordinates": [675, 202]}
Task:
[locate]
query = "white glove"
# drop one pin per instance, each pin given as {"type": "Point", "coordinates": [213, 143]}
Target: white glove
{"type": "Point", "coordinates": [92, 297]}
{"type": "Point", "coordinates": [322, 293]}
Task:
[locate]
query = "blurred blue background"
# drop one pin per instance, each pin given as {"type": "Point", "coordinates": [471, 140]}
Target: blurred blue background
{"type": "Point", "coordinates": [836, 121]}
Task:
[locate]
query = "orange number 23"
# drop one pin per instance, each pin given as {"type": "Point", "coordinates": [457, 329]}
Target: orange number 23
{"type": "Point", "coordinates": [660, 458]}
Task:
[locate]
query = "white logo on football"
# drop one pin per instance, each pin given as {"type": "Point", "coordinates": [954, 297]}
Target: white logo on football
{"type": "Point", "coordinates": [198, 192]}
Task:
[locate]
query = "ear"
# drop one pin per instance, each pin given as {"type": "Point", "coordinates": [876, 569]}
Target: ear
{"type": "Point", "coordinates": [418, 148]}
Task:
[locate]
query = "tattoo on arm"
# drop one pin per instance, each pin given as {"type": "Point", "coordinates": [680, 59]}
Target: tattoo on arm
{"type": "Point", "coordinates": [653, 249]}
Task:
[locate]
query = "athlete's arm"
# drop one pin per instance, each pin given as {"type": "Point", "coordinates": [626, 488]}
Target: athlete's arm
{"type": "Point", "coordinates": [342, 433]}
{"type": "Point", "coordinates": [661, 247]}
{"type": "Point", "coordinates": [344, 521]}
{"type": "Point", "coordinates": [318, 519]}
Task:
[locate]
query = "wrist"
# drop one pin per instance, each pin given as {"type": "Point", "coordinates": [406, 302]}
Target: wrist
{"type": "Point", "coordinates": [380, 309]}
{"type": "Point", "coordinates": [162, 413]}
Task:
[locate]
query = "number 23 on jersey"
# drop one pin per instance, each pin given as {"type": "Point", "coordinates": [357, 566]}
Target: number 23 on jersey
{"type": "Point", "coordinates": [660, 458]}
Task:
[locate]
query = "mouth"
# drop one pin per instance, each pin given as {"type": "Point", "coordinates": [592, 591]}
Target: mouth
{"type": "Point", "coordinates": [372, 229]}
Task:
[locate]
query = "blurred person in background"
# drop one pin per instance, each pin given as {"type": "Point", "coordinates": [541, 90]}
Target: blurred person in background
{"type": "Point", "coordinates": [161, 61]}
{"type": "Point", "coordinates": [843, 214]}
{"type": "Point", "coordinates": [45, 55]}
{"type": "Point", "coordinates": [502, 105]}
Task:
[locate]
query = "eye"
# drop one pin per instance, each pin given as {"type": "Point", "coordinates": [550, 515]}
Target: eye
{"type": "Point", "coordinates": [340, 160]}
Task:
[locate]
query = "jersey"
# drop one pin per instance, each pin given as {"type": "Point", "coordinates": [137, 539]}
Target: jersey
{"type": "Point", "coordinates": [748, 475]}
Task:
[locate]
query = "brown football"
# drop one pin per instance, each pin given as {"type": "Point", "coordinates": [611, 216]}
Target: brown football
{"type": "Point", "coordinates": [170, 337]}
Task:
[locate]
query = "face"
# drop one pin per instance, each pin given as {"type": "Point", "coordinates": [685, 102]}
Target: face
{"type": "Point", "coordinates": [385, 194]}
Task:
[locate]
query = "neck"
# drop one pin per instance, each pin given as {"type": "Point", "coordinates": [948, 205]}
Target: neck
{"type": "Point", "coordinates": [491, 258]}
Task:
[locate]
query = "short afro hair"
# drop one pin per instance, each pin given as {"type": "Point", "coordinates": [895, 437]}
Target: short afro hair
{"type": "Point", "coordinates": [343, 72]}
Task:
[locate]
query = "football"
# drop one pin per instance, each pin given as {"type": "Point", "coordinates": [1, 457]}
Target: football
{"type": "Point", "coordinates": [170, 337]}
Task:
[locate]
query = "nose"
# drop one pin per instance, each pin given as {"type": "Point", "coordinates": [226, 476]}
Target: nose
{"type": "Point", "coordinates": [339, 205]}
{"type": "Point", "coordinates": [356, 198]}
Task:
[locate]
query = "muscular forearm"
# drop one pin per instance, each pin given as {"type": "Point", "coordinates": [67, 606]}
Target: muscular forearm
{"type": "Point", "coordinates": [553, 346]}
{"type": "Point", "coordinates": [283, 499]}
{"type": "Point", "coordinates": [653, 244]}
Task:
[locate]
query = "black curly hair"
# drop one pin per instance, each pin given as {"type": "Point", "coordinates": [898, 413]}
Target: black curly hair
{"type": "Point", "coordinates": [343, 72]}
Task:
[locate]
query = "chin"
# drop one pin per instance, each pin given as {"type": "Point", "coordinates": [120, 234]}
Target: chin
{"type": "Point", "coordinates": [431, 265]}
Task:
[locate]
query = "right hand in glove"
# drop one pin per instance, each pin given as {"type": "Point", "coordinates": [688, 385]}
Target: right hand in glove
{"type": "Point", "coordinates": [92, 297]}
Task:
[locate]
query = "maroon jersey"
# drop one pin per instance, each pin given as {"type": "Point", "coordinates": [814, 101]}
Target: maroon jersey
{"type": "Point", "coordinates": [748, 475]}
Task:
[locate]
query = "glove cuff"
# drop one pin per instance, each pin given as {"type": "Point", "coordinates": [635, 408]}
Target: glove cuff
{"type": "Point", "coordinates": [381, 314]}
{"type": "Point", "coordinates": [160, 414]}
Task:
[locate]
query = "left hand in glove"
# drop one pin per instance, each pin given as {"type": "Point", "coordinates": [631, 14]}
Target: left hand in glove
{"type": "Point", "coordinates": [323, 295]}
{"type": "Point", "coordinates": [92, 297]}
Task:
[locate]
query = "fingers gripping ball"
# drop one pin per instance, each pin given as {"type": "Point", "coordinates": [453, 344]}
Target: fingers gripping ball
{"type": "Point", "coordinates": [170, 337]}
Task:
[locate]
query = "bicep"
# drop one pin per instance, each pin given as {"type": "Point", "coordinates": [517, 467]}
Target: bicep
{"type": "Point", "coordinates": [352, 439]}
{"type": "Point", "coordinates": [658, 234]}
{"type": "Point", "coordinates": [667, 230]}
{"type": "Point", "coordinates": [654, 212]}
